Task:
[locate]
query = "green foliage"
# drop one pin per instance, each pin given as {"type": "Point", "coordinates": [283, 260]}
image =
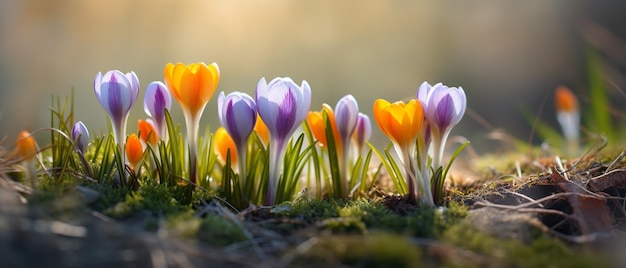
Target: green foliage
{"type": "Point", "coordinates": [237, 193]}
{"type": "Point", "coordinates": [62, 147]}
{"type": "Point", "coordinates": [600, 117]}
{"type": "Point", "coordinates": [294, 162]}
{"type": "Point", "coordinates": [440, 175]}
{"type": "Point", "coordinates": [392, 168]}
{"type": "Point", "coordinates": [333, 160]}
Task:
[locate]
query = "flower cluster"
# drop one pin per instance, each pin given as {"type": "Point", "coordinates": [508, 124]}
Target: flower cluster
{"type": "Point", "coordinates": [426, 122]}
{"type": "Point", "coordinates": [350, 130]}
{"type": "Point", "coordinates": [267, 170]}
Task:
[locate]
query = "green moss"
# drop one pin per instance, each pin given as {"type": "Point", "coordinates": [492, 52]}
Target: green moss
{"type": "Point", "coordinates": [543, 251]}
{"type": "Point", "coordinates": [422, 222]}
{"type": "Point", "coordinates": [343, 225]}
{"type": "Point", "coordinates": [157, 199]}
{"type": "Point", "coordinates": [109, 196]}
{"type": "Point", "coordinates": [376, 250]}
{"type": "Point", "coordinates": [311, 210]}
{"type": "Point", "coordinates": [184, 225]}
{"type": "Point", "coordinates": [219, 231]}
{"type": "Point", "coordinates": [212, 229]}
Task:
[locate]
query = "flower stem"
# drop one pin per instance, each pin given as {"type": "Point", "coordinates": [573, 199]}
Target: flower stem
{"type": "Point", "coordinates": [119, 133]}
{"type": "Point", "coordinates": [277, 153]}
{"type": "Point", "coordinates": [242, 150]}
{"type": "Point", "coordinates": [193, 123]}
{"type": "Point", "coordinates": [344, 169]}
{"type": "Point", "coordinates": [410, 173]}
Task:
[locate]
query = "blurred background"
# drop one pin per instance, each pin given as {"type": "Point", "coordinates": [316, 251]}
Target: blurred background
{"type": "Point", "coordinates": [507, 55]}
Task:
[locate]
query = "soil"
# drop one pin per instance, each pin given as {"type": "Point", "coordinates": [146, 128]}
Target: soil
{"type": "Point", "coordinates": [583, 209]}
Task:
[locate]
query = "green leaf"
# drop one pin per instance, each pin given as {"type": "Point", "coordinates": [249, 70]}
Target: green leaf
{"type": "Point", "coordinates": [598, 96]}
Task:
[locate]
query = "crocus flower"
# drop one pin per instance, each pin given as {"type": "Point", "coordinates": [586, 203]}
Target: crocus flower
{"type": "Point", "coordinates": [117, 92]}
{"type": "Point", "coordinates": [282, 105]}
{"type": "Point", "coordinates": [401, 123]}
{"type": "Point", "coordinates": [444, 109]}
{"type": "Point", "coordinates": [147, 131]}
{"type": "Point", "coordinates": [222, 143]}
{"type": "Point", "coordinates": [237, 113]}
{"type": "Point", "coordinates": [261, 130]}
{"type": "Point", "coordinates": [568, 116]}
{"type": "Point", "coordinates": [346, 116]}
{"type": "Point", "coordinates": [315, 120]}
{"type": "Point", "coordinates": [192, 86]}
{"type": "Point", "coordinates": [134, 151]}
{"type": "Point", "coordinates": [80, 135]}
{"type": "Point", "coordinates": [423, 146]}
{"type": "Point", "coordinates": [155, 101]}
{"type": "Point", "coordinates": [362, 132]}
{"type": "Point", "coordinates": [26, 149]}
{"type": "Point", "coordinates": [26, 146]}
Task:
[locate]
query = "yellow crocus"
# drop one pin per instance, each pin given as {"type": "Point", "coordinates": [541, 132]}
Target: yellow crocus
{"type": "Point", "coordinates": [222, 142]}
{"type": "Point", "coordinates": [261, 130]}
{"type": "Point", "coordinates": [134, 151]}
{"type": "Point", "coordinates": [192, 85]}
{"type": "Point", "coordinates": [399, 121]}
{"type": "Point", "coordinates": [26, 146]}
{"type": "Point", "coordinates": [315, 119]}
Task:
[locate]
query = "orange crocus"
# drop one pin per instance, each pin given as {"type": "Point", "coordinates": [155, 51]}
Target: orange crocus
{"type": "Point", "coordinates": [25, 145]}
{"type": "Point", "coordinates": [315, 119]}
{"type": "Point", "coordinates": [565, 100]}
{"type": "Point", "coordinates": [261, 130]}
{"type": "Point", "coordinates": [192, 85]}
{"type": "Point", "coordinates": [399, 121]}
{"type": "Point", "coordinates": [222, 142]}
{"type": "Point", "coordinates": [147, 132]}
{"type": "Point", "coordinates": [134, 150]}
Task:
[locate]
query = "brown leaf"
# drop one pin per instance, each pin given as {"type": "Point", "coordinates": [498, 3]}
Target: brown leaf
{"type": "Point", "coordinates": [590, 211]}
{"type": "Point", "coordinates": [615, 178]}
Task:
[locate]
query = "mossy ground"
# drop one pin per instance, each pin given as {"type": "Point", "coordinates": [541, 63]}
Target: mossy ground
{"type": "Point", "coordinates": [378, 231]}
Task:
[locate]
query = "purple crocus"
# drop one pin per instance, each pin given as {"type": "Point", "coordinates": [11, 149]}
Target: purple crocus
{"type": "Point", "coordinates": [156, 99]}
{"type": "Point", "coordinates": [362, 132]}
{"type": "Point", "coordinates": [346, 117]}
{"type": "Point", "coordinates": [80, 135]}
{"type": "Point", "coordinates": [117, 92]}
{"type": "Point", "coordinates": [282, 105]}
{"type": "Point", "coordinates": [237, 113]}
{"type": "Point", "coordinates": [444, 109]}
